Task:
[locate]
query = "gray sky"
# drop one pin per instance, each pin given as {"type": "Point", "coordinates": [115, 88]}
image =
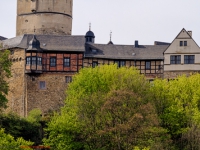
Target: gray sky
{"type": "Point", "coordinates": [129, 20]}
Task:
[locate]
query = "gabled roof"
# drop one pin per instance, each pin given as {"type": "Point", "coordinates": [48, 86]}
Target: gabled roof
{"type": "Point", "coordinates": [178, 37]}
{"type": "Point", "coordinates": [143, 52]}
{"type": "Point", "coordinates": [48, 42]}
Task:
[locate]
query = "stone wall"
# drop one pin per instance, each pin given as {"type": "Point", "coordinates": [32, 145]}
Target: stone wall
{"type": "Point", "coordinates": [44, 17]}
{"type": "Point", "coordinates": [16, 95]}
{"type": "Point", "coordinates": [175, 74]}
{"type": "Point", "coordinates": [48, 98]}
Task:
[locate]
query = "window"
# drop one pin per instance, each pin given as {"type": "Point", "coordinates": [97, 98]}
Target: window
{"type": "Point", "coordinates": [28, 60]}
{"type": "Point", "coordinates": [181, 43]}
{"type": "Point", "coordinates": [39, 61]}
{"type": "Point", "coordinates": [94, 64]}
{"type": "Point", "coordinates": [42, 85]}
{"type": "Point", "coordinates": [94, 51]}
{"type": "Point", "coordinates": [66, 62]}
{"type": "Point", "coordinates": [52, 61]}
{"type": "Point", "coordinates": [147, 65]}
{"type": "Point", "coordinates": [185, 43]}
{"type": "Point", "coordinates": [68, 79]}
{"type": "Point", "coordinates": [120, 63]}
{"type": "Point", "coordinates": [33, 60]}
{"type": "Point", "coordinates": [175, 59]}
{"type": "Point", "coordinates": [189, 59]}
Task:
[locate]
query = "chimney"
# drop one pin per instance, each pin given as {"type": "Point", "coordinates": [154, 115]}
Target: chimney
{"type": "Point", "coordinates": [136, 44]}
{"type": "Point", "coordinates": [190, 33]}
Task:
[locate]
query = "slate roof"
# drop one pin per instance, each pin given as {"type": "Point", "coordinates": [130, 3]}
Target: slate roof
{"type": "Point", "coordinates": [48, 42]}
{"type": "Point", "coordinates": [2, 38]}
{"type": "Point", "coordinates": [126, 51]}
{"type": "Point", "coordinates": [77, 44]}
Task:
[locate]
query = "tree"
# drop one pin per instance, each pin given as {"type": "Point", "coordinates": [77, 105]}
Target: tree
{"type": "Point", "coordinates": [5, 73]}
{"type": "Point", "coordinates": [107, 108]}
{"type": "Point", "coordinates": [29, 129]}
{"type": "Point", "coordinates": [178, 106]}
{"type": "Point", "coordinates": [8, 142]}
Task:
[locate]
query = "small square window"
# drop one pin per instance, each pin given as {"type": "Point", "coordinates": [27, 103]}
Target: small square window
{"type": "Point", "coordinates": [68, 79]}
{"type": "Point", "coordinates": [42, 85]}
{"type": "Point", "coordinates": [94, 64]}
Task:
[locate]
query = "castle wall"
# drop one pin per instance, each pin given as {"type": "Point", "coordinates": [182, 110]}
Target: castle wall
{"type": "Point", "coordinates": [16, 95]}
{"type": "Point", "coordinates": [51, 95]}
{"type": "Point", "coordinates": [44, 17]}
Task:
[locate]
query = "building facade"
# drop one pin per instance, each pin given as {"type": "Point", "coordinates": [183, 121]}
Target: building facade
{"type": "Point", "coordinates": [182, 56]}
{"type": "Point", "coordinates": [45, 56]}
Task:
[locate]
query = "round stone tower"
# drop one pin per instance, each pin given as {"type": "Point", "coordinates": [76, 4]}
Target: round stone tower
{"type": "Point", "coordinates": [44, 17]}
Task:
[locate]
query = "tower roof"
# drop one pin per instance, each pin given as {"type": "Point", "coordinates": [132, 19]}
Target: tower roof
{"type": "Point", "coordinates": [90, 34]}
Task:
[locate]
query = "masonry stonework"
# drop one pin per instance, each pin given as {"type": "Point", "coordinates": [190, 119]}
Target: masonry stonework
{"type": "Point", "coordinates": [44, 17]}
{"type": "Point", "coordinates": [52, 96]}
{"type": "Point", "coordinates": [16, 95]}
{"type": "Point", "coordinates": [175, 74]}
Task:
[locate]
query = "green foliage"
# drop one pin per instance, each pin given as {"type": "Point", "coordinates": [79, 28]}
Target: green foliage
{"type": "Point", "coordinates": [20, 127]}
{"type": "Point", "coordinates": [7, 142]}
{"type": "Point", "coordinates": [5, 65]}
{"type": "Point", "coordinates": [35, 116]}
{"type": "Point", "coordinates": [137, 148]}
{"type": "Point", "coordinates": [107, 108]}
{"type": "Point", "coordinates": [63, 132]}
{"type": "Point", "coordinates": [177, 103]}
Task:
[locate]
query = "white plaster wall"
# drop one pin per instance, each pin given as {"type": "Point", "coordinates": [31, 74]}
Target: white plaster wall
{"type": "Point", "coordinates": [175, 49]}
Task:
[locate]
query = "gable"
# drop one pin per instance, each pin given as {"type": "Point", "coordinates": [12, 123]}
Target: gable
{"type": "Point", "coordinates": [183, 34]}
{"type": "Point", "coordinates": [175, 47]}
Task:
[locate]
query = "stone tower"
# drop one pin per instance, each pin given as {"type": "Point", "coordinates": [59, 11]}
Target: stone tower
{"type": "Point", "coordinates": [44, 17]}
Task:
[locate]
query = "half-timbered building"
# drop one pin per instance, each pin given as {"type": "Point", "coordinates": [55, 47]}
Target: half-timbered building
{"type": "Point", "coordinates": [45, 55]}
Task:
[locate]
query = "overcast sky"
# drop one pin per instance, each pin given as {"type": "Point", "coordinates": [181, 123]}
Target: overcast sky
{"type": "Point", "coordinates": [129, 20]}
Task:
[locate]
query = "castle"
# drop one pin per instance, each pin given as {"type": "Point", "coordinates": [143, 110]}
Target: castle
{"type": "Point", "coordinates": [45, 55]}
